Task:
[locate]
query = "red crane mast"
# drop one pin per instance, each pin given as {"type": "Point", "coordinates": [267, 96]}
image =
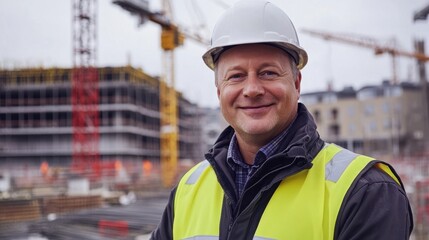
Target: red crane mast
{"type": "Point", "coordinates": [85, 90]}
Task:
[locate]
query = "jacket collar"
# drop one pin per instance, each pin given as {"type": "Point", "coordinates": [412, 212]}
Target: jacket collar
{"type": "Point", "coordinates": [300, 140]}
{"type": "Point", "coordinates": [295, 154]}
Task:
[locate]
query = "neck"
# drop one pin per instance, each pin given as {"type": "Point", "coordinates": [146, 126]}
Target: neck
{"type": "Point", "coordinates": [248, 149]}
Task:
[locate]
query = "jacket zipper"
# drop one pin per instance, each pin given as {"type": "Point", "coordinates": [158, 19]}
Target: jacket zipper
{"type": "Point", "coordinates": [258, 196]}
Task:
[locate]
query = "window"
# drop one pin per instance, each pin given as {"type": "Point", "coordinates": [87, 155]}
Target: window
{"type": "Point", "coordinates": [317, 117]}
{"type": "Point", "coordinates": [329, 97]}
{"type": "Point", "coordinates": [351, 111]}
{"type": "Point", "coordinates": [352, 128]}
{"type": "Point", "coordinates": [368, 93]}
{"type": "Point", "coordinates": [334, 130]}
{"type": "Point", "coordinates": [372, 126]}
{"type": "Point", "coordinates": [387, 124]}
{"type": "Point", "coordinates": [386, 107]}
{"type": "Point", "coordinates": [334, 114]}
{"type": "Point", "coordinates": [369, 109]}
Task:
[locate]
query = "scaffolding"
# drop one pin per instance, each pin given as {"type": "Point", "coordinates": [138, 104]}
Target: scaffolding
{"type": "Point", "coordinates": [36, 118]}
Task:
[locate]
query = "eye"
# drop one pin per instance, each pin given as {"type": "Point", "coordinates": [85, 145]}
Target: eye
{"type": "Point", "coordinates": [236, 77]}
{"type": "Point", "coordinates": [268, 75]}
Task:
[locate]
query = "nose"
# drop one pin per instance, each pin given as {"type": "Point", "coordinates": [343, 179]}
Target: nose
{"type": "Point", "coordinates": [253, 86]}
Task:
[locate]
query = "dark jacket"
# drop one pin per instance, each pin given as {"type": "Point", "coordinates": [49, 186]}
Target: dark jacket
{"type": "Point", "coordinates": [375, 207]}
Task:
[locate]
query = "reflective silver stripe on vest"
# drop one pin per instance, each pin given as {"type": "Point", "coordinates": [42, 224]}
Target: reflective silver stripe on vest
{"type": "Point", "coordinates": [336, 167]}
{"type": "Point", "coordinates": [216, 238]}
{"type": "Point", "coordinates": [196, 174]}
{"type": "Point", "coordinates": [202, 238]}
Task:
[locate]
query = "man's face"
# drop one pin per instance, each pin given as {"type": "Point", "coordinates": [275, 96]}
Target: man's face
{"type": "Point", "coordinates": [257, 91]}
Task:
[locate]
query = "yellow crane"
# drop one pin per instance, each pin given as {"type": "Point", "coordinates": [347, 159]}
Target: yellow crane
{"type": "Point", "coordinates": [171, 38]}
{"type": "Point", "coordinates": [371, 43]}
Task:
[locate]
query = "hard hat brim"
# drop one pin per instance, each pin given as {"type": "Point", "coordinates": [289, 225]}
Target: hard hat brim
{"type": "Point", "coordinates": [298, 54]}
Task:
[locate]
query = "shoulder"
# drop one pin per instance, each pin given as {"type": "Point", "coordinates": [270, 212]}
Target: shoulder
{"type": "Point", "coordinates": [374, 175]}
{"type": "Point", "coordinates": [373, 178]}
{"type": "Point", "coordinates": [375, 205]}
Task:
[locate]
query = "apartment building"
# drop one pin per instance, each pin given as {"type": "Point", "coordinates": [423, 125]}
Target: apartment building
{"type": "Point", "coordinates": [36, 118]}
{"type": "Point", "coordinates": [378, 119]}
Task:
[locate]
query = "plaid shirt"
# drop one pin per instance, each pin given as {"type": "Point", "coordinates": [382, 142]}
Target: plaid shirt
{"type": "Point", "coordinates": [242, 170]}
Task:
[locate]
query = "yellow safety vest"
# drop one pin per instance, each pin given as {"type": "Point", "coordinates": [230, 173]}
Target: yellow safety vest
{"type": "Point", "coordinates": [304, 206]}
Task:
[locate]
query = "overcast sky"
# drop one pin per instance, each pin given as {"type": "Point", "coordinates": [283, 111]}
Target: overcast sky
{"type": "Point", "coordinates": [38, 33]}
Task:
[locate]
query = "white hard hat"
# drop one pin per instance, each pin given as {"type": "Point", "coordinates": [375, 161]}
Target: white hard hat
{"type": "Point", "coordinates": [254, 21]}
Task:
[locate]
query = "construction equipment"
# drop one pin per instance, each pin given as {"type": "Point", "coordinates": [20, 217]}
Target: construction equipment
{"type": "Point", "coordinates": [422, 14]}
{"type": "Point", "coordinates": [171, 38]}
{"type": "Point", "coordinates": [85, 91]}
{"type": "Point", "coordinates": [371, 43]}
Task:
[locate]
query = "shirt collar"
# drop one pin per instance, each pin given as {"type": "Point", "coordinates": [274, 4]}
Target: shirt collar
{"type": "Point", "coordinates": [234, 156]}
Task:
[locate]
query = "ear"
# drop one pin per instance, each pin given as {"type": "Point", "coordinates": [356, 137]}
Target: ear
{"type": "Point", "coordinates": [218, 92]}
{"type": "Point", "coordinates": [298, 83]}
{"type": "Point", "coordinates": [216, 81]}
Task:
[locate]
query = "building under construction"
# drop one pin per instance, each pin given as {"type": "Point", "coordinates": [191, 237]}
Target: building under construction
{"type": "Point", "coordinates": [36, 119]}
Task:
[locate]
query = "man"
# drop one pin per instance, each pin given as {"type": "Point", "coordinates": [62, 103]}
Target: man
{"type": "Point", "coordinates": [269, 175]}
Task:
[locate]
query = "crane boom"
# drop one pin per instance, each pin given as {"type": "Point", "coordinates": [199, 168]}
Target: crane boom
{"type": "Point", "coordinates": [171, 38]}
{"type": "Point", "coordinates": [141, 9]}
{"type": "Point", "coordinates": [368, 43]}
{"type": "Point", "coordinates": [371, 43]}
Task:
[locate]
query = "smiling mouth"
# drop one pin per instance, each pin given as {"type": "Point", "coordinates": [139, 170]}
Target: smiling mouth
{"type": "Point", "coordinates": [256, 110]}
{"type": "Point", "coordinates": [256, 107]}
